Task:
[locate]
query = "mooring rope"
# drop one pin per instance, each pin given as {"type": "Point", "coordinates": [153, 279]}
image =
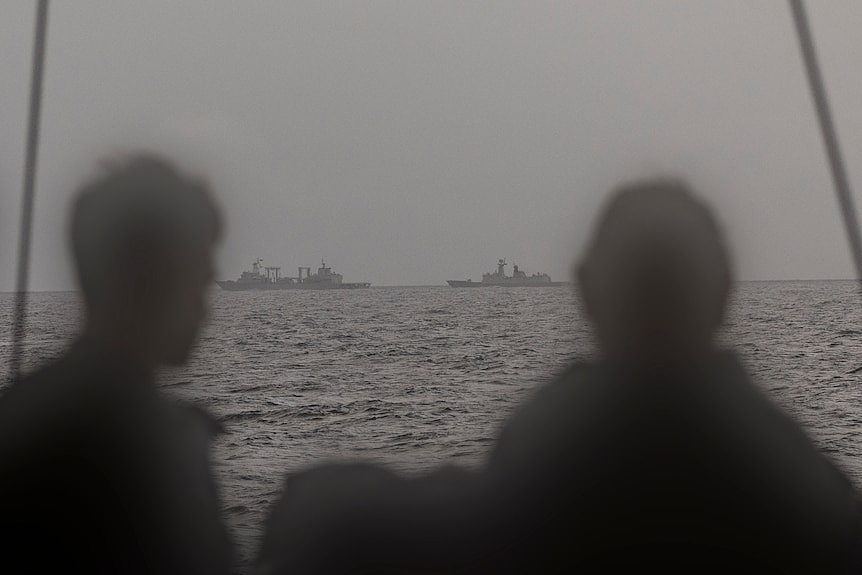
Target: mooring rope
{"type": "Point", "coordinates": [29, 187]}
{"type": "Point", "coordinates": [827, 129]}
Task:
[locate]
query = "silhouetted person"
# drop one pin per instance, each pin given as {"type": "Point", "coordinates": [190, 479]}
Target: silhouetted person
{"type": "Point", "coordinates": [661, 453]}
{"type": "Point", "coordinates": [658, 456]}
{"type": "Point", "coordinates": [98, 473]}
{"type": "Point", "coordinates": [362, 518]}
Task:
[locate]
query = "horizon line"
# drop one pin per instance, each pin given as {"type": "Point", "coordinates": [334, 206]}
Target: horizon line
{"type": "Point", "coordinates": [12, 292]}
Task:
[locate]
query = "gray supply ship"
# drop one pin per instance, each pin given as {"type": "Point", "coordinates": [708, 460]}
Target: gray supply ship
{"type": "Point", "coordinates": [269, 278]}
{"type": "Point", "coordinates": [499, 278]}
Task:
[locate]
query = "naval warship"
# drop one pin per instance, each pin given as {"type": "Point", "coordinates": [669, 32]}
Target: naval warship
{"type": "Point", "coordinates": [269, 278]}
{"type": "Point", "coordinates": [499, 278]}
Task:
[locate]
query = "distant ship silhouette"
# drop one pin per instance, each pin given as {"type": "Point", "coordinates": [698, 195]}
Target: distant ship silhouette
{"type": "Point", "coordinates": [269, 278]}
{"type": "Point", "coordinates": [499, 278]}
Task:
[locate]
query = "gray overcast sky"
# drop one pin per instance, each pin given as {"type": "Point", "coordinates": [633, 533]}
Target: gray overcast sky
{"type": "Point", "coordinates": [414, 142]}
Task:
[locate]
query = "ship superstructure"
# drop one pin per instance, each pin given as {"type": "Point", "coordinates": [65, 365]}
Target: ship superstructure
{"type": "Point", "coordinates": [262, 277]}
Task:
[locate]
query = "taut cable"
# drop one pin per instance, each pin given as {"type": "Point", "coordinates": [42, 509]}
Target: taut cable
{"type": "Point", "coordinates": [29, 188]}
{"type": "Point", "coordinates": [827, 129]}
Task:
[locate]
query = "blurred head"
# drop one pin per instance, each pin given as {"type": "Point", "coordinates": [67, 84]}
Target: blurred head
{"type": "Point", "coordinates": [142, 235]}
{"type": "Point", "coordinates": [656, 276]}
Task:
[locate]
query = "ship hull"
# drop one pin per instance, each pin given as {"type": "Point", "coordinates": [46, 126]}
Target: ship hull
{"type": "Point", "coordinates": [237, 286]}
{"type": "Point", "coordinates": [472, 284]}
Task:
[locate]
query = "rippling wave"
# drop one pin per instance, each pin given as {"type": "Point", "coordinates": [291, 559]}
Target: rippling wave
{"type": "Point", "coordinates": [417, 376]}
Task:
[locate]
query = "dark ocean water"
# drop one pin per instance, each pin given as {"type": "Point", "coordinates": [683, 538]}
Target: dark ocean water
{"type": "Point", "coordinates": [419, 376]}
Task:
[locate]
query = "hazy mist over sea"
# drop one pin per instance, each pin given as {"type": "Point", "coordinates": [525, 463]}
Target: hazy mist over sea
{"type": "Point", "coordinates": [410, 142]}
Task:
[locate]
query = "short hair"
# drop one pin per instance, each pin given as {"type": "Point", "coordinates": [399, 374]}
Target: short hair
{"type": "Point", "coordinates": [663, 206]}
{"type": "Point", "coordinates": [138, 207]}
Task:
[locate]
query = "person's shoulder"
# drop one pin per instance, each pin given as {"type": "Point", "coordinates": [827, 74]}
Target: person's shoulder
{"type": "Point", "coordinates": [338, 485]}
{"type": "Point", "coordinates": [54, 424]}
{"type": "Point", "coordinates": [319, 505]}
{"type": "Point", "coordinates": [47, 378]}
{"type": "Point", "coordinates": [779, 441]}
{"type": "Point", "coordinates": [193, 420]}
{"type": "Point", "coordinates": [560, 408]}
{"type": "Point", "coordinates": [47, 395]}
{"type": "Point", "coordinates": [568, 390]}
{"type": "Point", "coordinates": [581, 377]}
